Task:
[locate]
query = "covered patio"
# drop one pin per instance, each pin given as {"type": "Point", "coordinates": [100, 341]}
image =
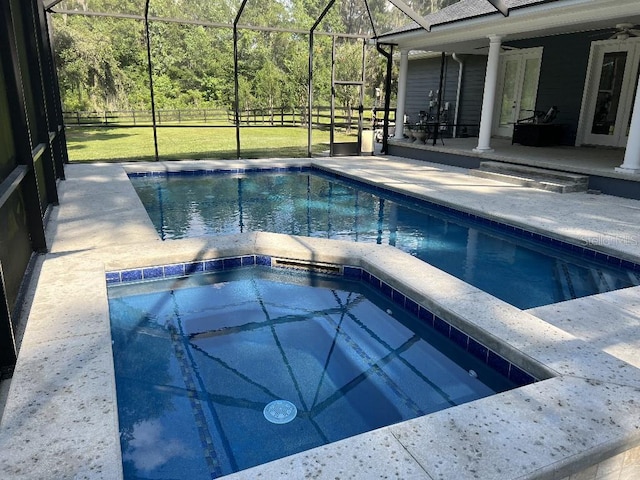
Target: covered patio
{"type": "Point", "coordinates": [578, 58]}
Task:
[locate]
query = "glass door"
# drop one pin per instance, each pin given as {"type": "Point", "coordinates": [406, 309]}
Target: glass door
{"type": "Point", "coordinates": [517, 91]}
{"type": "Point", "coordinates": [609, 102]}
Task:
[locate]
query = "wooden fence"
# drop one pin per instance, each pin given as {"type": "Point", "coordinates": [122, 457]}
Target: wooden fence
{"type": "Point", "coordinates": [281, 117]}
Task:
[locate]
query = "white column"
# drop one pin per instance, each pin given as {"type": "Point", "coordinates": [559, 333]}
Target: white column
{"type": "Point", "coordinates": [402, 93]}
{"type": "Point", "coordinates": [489, 96]}
{"type": "Point", "coordinates": [631, 162]}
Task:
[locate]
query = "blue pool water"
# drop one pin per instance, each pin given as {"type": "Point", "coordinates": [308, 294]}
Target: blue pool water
{"type": "Point", "coordinates": [198, 359]}
{"type": "Point", "coordinates": [522, 271]}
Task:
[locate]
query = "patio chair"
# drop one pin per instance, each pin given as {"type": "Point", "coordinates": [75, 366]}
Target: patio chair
{"type": "Point", "coordinates": [540, 116]}
{"type": "Point", "coordinates": [538, 130]}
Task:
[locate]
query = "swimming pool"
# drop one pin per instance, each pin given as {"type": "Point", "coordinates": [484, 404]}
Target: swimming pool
{"type": "Point", "coordinates": [524, 269]}
{"type": "Point", "coordinates": [199, 361]}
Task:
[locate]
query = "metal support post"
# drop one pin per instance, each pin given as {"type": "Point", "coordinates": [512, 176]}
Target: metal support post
{"type": "Point", "coordinates": [235, 76]}
{"type": "Point", "coordinates": [151, 91]}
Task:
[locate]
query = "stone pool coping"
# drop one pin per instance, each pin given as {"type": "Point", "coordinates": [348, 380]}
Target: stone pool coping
{"type": "Point", "coordinates": [60, 420]}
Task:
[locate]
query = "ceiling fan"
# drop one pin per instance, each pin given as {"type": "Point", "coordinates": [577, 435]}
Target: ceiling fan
{"type": "Point", "coordinates": [624, 31]}
{"type": "Point", "coordinates": [503, 48]}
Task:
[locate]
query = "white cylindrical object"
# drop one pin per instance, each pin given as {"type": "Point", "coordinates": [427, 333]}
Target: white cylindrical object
{"type": "Point", "coordinates": [631, 162]}
{"type": "Point", "coordinates": [489, 96]}
{"type": "Point", "coordinates": [366, 143]}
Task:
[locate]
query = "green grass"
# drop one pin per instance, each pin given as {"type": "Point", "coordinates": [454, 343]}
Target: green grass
{"type": "Point", "coordinates": [87, 144]}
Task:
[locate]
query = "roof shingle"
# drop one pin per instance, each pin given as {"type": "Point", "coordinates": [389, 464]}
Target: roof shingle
{"type": "Point", "coordinates": [463, 10]}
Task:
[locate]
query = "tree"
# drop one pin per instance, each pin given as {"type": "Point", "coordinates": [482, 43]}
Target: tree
{"type": "Point", "coordinates": [90, 64]}
{"type": "Point", "coordinates": [102, 62]}
{"type": "Point", "coordinates": [268, 87]}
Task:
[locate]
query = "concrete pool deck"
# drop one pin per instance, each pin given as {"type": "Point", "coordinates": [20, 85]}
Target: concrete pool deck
{"type": "Point", "coordinates": [60, 418]}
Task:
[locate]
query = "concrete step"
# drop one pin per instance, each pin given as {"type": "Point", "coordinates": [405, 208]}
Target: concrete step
{"type": "Point", "coordinates": [532, 177]}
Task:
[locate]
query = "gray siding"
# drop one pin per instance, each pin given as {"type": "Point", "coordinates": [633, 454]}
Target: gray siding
{"type": "Point", "coordinates": [424, 75]}
{"type": "Point", "coordinates": [471, 95]}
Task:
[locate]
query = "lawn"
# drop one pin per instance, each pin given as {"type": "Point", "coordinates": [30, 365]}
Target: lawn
{"type": "Point", "coordinates": [136, 144]}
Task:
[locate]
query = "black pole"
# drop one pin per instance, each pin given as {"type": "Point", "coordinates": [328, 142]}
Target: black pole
{"type": "Point", "coordinates": [236, 88]}
{"type": "Point", "coordinates": [235, 75]}
{"type": "Point", "coordinates": [310, 112]}
{"type": "Point", "coordinates": [310, 95]}
{"type": "Point", "coordinates": [333, 97]}
{"type": "Point", "coordinates": [387, 98]}
{"type": "Point", "coordinates": [150, 67]}
{"type": "Point", "coordinates": [439, 106]}
{"type": "Point", "coordinates": [361, 99]}
{"type": "Point", "coordinates": [373, 24]}
{"type": "Point", "coordinates": [61, 155]}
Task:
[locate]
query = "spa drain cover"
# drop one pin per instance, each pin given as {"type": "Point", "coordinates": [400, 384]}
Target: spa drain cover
{"type": "Point", "coordinates": [280, 411]}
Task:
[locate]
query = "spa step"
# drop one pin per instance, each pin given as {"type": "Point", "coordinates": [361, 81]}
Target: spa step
{"type": "Point", "coordinates": [532, 177]}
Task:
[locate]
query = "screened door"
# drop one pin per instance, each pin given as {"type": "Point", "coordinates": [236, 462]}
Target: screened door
{"type": "Point", "coordinates": [518, 76]}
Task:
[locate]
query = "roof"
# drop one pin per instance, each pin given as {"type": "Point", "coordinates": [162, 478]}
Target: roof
{"type": "Point", "coordinates": [463, 10]}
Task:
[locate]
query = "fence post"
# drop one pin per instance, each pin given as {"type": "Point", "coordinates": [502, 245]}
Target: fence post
{"type": "Point", "coordinates": [105, 118]}
{"type": "Point", "coordinates": [204, 114]}
{"type": "Point", "coordinates": [133, 114]}
{"type": "Point", "coordinates": [179, 121]}
{"type": "Point", "coordinates": [318, 116]}
{"type": "Point", "coordinates": [78, 117]}
{"type": "Point", "coordinates": [159, 117]}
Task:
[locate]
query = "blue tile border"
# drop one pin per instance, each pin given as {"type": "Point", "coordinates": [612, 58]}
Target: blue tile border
{"type": "Point", "coordinates": [545, 240]}
{"type": "Point", "coordinates": [575, 249]}
{"type": "Point", "coordinates": [185, 269]}
{"type": "Point", "coordinates": [440, 325]}
{"type": "Point", "coordinates": [457, 336]}
{"type": "Point", "coordinates": [196, 172]}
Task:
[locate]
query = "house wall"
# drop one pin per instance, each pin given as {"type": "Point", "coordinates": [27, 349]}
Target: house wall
{"type": "Point", "coordinates": [562, 80]}
{"type": "Point", "coordinates": [423, 76]}
{"type": "Point", "coordinates": [471, 95]}
{"type": "Point", "coordinates": [562, 75]}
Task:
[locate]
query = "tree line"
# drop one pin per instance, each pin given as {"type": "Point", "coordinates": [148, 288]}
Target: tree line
{"type": "Point", "coordinates": [102, 61]}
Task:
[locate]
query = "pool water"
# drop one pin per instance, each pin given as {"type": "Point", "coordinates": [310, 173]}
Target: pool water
{"type": "Point", "coordinates": [198, 359]}
{"type": "Point", "coordinates": [520, 271]}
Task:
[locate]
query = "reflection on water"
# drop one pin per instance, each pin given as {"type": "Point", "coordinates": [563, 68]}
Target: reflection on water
{"type": "Point", "coordinates": [516, 270]}
{"type": "Point", "coordinates": [198, 359]}
{"type": "Point", "coordinates": [152, 446]}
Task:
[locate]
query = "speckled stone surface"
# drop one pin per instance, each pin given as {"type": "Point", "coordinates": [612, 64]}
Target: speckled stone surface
{"type": "Point", "coordinates": [592, 318]}
{"type": "Point", "coordinates": [60, 420]}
